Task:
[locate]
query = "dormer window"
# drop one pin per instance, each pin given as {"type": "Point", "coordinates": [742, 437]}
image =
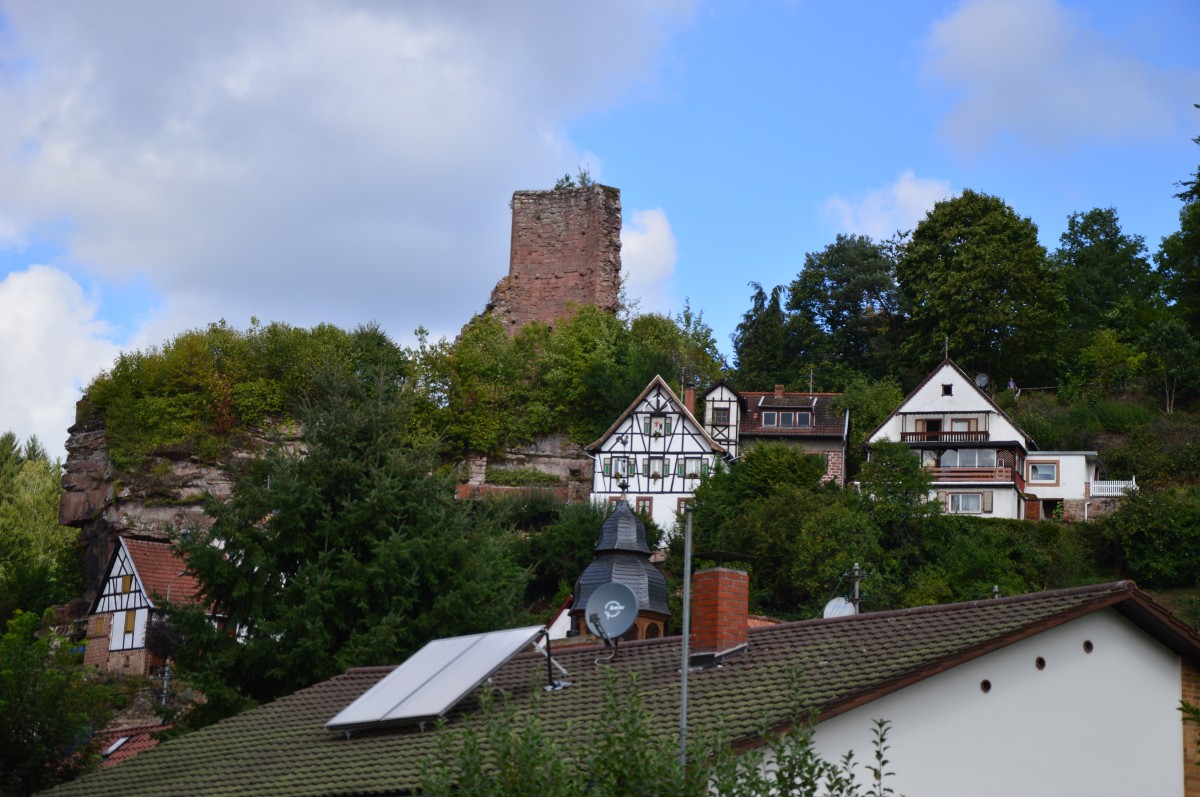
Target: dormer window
{"type": "Point", "coordinates": [720, 416]}
{"type": "Point", "coordinates": [770, 419]}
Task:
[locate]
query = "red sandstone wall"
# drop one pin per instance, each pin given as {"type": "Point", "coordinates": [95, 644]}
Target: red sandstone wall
{"type": "Point", "coordinates": [566, 251]}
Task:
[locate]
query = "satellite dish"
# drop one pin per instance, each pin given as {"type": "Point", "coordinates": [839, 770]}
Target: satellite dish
{"type": "Point", "coordinates": [611, 610]}
{"type": "Point", "coordinates": [981, 380]}
{"type": "Point", "coordinates": [839, 607]}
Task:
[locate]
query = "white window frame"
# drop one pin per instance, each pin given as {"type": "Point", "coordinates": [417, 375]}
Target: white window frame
{"type": "Point", "coordinates": [1031, 464]}
{"type": "Point", "coordinates": [954, 504]}
{"type": "Point", "coordinates": [770, 418]}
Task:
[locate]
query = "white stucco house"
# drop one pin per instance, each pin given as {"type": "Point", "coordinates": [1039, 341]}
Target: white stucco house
{"type": "Point", "coordinates": [982, 463]}
{"type": "Point", "coordinates": [656, 448]}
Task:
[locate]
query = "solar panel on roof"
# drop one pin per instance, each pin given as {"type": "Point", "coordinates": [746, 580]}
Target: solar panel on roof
{"type": "Point", "coordinates": [434, 679]}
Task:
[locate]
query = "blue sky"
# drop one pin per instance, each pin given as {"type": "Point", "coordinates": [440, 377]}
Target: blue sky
{"type": "Point", "coordinates": [167, 165]}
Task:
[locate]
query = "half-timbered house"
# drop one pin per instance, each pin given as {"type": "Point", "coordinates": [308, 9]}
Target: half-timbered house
{"type": "Point", "coordinates": [143, 576]}
{"type": "Point", "coordinates": [737, 419]}
{"type": "Point", "coordinates": [659, 449]}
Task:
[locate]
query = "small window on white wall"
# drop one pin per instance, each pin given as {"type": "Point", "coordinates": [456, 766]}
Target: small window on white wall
{"type": "Point", "coordinates": [966, 503]}
{"type": "Point", "coordinates": [1044, 472]}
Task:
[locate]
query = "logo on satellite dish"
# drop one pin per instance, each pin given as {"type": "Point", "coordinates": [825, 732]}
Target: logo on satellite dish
{"type": "Point", "coordinates": [612, 609]}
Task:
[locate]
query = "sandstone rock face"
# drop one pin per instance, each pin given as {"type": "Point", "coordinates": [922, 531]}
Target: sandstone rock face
{"type": "Point", "coordinates": [162, 500]}
{"type": "Point", "coordinates": [566, 252]}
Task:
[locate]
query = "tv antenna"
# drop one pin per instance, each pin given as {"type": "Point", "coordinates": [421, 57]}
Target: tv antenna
{"type": "Point", "coordinates": [610, 612]}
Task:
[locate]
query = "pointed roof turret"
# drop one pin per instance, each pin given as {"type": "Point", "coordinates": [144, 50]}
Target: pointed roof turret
{"type": "Point", "coordinates": [623, 557]}
{"type": "Point", "coordinates": [623, 531]}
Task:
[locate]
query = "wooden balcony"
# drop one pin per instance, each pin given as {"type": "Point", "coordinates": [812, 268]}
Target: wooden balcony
{"type": "Point", "coordinates": [943, 437]}
{"type": "Point", "coordinates": [972, 474]}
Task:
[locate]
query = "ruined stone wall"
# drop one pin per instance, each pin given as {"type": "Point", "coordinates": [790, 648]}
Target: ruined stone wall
{"type": "Point", "coordinates": [566, 252]}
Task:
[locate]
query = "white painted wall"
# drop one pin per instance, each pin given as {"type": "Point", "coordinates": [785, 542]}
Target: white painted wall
{"type": "Point", "coordinates": [1096, 724]}
{"type": "Point", "coordinates": [116, 638]}
{"type": "Point", "coordinates": [965, 401]}
{"type": "Point", "coordinates": [1074, 472]}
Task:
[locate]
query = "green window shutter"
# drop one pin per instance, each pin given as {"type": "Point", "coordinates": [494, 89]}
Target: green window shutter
{"type": "Point", "coordinates": [646, 427]}
{"type": "Point", "coordinates": [667, 427]}
{"type": "Point", "coordinates": [703, 468]}
{"type": "Point", "coordinates": [631, 467]}
{"type": "Point", "coordinates": [646, 467]}
{"type": "Point", "coordinates": [679, 466]}
{"type": "Point", "coordinates": [608, 467]}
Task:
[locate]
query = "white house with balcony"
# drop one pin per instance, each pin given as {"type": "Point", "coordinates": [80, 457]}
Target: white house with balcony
{"type": "Point", "coordinates": [982, 463]}
{"type": "Point", "coordinates": [659, 450]}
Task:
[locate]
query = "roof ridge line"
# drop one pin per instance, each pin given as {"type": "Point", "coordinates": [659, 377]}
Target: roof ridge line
{"type": "Point", "coordinates": [1099, 590]}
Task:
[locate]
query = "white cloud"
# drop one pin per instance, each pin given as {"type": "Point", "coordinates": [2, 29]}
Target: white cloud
{"type": "Point", "coordinates": [53, 345]}
{"type": "Point", "coordinates": [648, 256]}
{"type": "Point", "coordinates": [319, 161]}
{"type": "Point", "coordinates": [880, 212]}
{"type": "Point", "coordinates": [1032, 68]}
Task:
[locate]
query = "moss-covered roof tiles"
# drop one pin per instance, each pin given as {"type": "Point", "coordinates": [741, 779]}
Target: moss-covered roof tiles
{"type": "Point", "coordinates": [283, 748]}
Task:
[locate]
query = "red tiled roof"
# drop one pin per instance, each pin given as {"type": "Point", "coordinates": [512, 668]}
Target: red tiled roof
{"type": "Point", "coordinates": [162, 571]}
{"type": "Point", "coordinates": [137, 738]}
{"type": "Point", "coordinates": [825, 422]}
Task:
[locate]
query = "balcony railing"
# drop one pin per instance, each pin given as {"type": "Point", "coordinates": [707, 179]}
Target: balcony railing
{"type": "Point", "coordinates": [1113, 489]}
{"type": "Point", "coordinates": [943, 437]}
{"type": "Point", "coordinates": [972, 474]}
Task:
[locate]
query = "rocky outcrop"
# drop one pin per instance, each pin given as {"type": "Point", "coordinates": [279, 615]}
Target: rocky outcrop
{"type": "Point", "coordinates": [163, 498]}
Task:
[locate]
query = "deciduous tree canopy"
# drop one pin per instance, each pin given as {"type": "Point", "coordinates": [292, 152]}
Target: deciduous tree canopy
{"type": "Point", "coordinates": [351, 550]}
{"type": "Point", "coordinates": [975, 278]}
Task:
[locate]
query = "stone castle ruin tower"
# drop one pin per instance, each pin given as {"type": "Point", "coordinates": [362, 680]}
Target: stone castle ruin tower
{"type": "Point", "coordinates": [566, 252]}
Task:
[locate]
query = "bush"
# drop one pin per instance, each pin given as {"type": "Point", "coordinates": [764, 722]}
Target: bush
{"type": "Point", "coordinates": [520, 477]}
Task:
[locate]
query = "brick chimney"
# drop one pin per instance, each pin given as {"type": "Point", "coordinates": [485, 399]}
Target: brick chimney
{"type": "Point", "coordinates": [779, 391]}
{"type": "Point", "coordinates": [720, 613]}
{"type": "Point", "coordinates": [689, 398]}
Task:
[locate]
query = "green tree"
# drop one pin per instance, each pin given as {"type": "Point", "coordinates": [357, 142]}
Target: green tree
{"type": "Point", "coordinates": [50, 706]}
{"type": "Point", "coordinates": [1178, 257]}
{"type": "Point", "coordinates": [769, 345]}
{"type": "Point", "coordinates": [1106, 366]}
{"type": "Point", "coordinates": [1172, 361]}
{"type": "Point", "coordinates": [1106, 276]}
{"type": "Point", "coordinates": [801, 534]}
{"type": "Point", "coordinates": [39, 564]}
{"type": "Point", "coordinates": [849, 291]}
{"type": "Point", "coordinates": [869, 402]}
{"type": "Point", "coordinates": [350, 551]}
{"type": "Point", "coordinates": [898, 487]}
{"type": "Point", "coordinates": [975, 278]}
